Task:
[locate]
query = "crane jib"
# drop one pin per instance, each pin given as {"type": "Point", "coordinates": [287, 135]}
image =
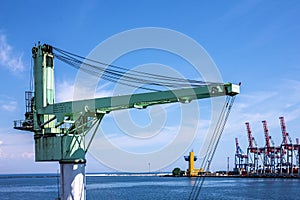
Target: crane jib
{"type": "Point", "coordinates": [143, 100]}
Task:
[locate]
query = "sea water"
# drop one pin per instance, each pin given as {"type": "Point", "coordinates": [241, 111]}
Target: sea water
{"type": "Point", "coordinates": [45, 187]}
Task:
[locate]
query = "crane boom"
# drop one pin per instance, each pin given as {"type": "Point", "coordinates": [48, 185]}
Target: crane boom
{"type": "Point", "coordinates": [283, 130]}
{"type": "Point", "coordinates": [267, 136]}
{"type": "Point", "coordinates": [237, 150]}
{"type": "Point", "coordinates": [139, 101]}
{"type": "Point", "coordinates": [250, 137]}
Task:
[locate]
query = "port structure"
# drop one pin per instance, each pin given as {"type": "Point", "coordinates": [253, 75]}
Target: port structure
{"type": "Point", "coordinates": [192, 171]}
{"type": "Point", "coordinates": [270, 152]}
{"type": "Point", "coordinates": [297, 155]}
{"type": "Point", "coordinates": [240, 159]}
{"type": "Point", "coordinates": [253, 152]}
{"type": "Point", "coordinates": [60, 129]}
{"type": "Point", "coordinates": [271, 160]}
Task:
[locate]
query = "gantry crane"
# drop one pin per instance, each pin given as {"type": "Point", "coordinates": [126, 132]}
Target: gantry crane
{"type": "Point", "coordinates": [297, 152]}
{"type": "Point", "coordinates": [287, 150]}
{"type": "Point", "coordinates": [282, 160]}
{"type": "Point", "coordinates": [241, 159]}
{"type": "Point", "coordinates": [252, 152]}
{"type": "Point", "coordinates": [269, 153]}
{"type": "Point", "coordinates": [60, 129]}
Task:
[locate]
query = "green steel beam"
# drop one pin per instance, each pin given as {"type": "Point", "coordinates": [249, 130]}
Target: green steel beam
{"type": "Point", "coordinates": [143, 100]}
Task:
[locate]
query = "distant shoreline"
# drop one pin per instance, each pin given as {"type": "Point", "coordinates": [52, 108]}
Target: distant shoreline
{"type": "Point", "coordinates": [50, 175]}
{"type": "Point", "coordinates": [160, 174]}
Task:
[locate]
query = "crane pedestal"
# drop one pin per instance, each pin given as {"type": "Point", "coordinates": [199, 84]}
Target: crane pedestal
{"type": "Point", "coordinates": [72, 177]}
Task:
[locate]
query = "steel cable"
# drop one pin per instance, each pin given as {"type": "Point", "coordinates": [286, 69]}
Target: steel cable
{"type": "Point", "coordinates": [212, 146]}
{"type": "Point", "coordinates": [132, 78]}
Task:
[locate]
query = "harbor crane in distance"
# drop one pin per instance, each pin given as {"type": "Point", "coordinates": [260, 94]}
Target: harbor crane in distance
{"type": "Point", "coordinates": [287, 149]}
{"type": "Point", "coordinates": [297, 152]}
{"type": "Point", "coordinates": [60, 129]}
{"type": "Point", "coordinates": [252, 151]}
{"type": "Point", "coordinates": [269, 155]}
{"type": "Point", "coordinates": [285, 135]}
{"type": "Point", "coordinates": [241, 159]}
{"type": "Point", "coordinates": [277, 161]}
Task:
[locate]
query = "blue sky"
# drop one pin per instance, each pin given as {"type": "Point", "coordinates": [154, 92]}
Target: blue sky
{"type": "Point", "coordinates": [253, 42]}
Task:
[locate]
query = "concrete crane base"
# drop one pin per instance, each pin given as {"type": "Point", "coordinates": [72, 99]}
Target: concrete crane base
{"type": "Point", "coordinates": [72, 177]}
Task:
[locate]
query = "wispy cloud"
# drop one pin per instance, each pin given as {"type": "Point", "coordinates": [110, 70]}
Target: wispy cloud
{"type": "Point", "coordinates": [10, 106]}
{"type": "Point", "coordinates": [269, 105]}
{"type": "Point", "coordinates": [65, 91]}
{"type": "Point", "coordinates": [27, 155]}
{"type": "Point", "coordinates": [8, 58]}
{"type": "Point", "coordinates": [10, 148]}
{"type": "Point", "coordinates": [136, 144]}
{"type": "Point", "coordinates": [7, 103]}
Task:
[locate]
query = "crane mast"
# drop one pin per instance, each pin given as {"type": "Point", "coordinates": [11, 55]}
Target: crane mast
{"type": "Point", "coordinates": [240, 158]}
{"type": "Point", "coordinates": [285, 135]}
{"type": "Point", "coordinates": [287, 149]}
{"type": "Point", "coordinates": [252, 152]}
{"type": "Point", "coordinates": [283, 130]}
{"type": "Point", "coordinates": [237, 148]}
{"type": "Point", "coordinates": [250, 137]}
{"type": "Point", "coordinates": [60, 128]}
{"type": "Point", "coordinates": [269, 155]}
{"type": "Point", "coordinates": [267, 137]}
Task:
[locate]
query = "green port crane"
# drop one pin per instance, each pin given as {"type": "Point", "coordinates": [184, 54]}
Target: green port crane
{"type": "Point", "coordinates": [60, 129]}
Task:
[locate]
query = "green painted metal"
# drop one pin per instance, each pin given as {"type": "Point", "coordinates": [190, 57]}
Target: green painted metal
{"type": "Point", "coordinates": [143, 100]}
{"type": "Point", "coordinates": [53, 142]}
{"type": "Point", "coordinates": [64, 148]}
{"type": "Point", "coordinates": [43, 86]}
{"type": "Point", "coordinates": [50, 142]}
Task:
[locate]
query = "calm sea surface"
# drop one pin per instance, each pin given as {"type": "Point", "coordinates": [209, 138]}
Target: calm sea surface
{"type": "Point", "coordinates": [44, 187]}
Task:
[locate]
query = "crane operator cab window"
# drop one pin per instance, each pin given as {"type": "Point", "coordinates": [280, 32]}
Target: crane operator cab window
{"type": "Point", "coordinates": [49, 61]}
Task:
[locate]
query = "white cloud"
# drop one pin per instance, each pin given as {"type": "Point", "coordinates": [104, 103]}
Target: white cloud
{"type": "Point", "coordinates": [9, 106]}
{"type": "Point", "coordinates": [7, 103]}
{"type": "Point", "coordinates": [27, 155]}
{"type": "Point", "coordinates": [102, 92]}
{"type": "Point", "coordinates": [161, 139]}
{"type": "Point", "coordinates": [9, 59]}
{"type": "Point", "coordinates": [14, 149]}
{"type": "Point", "coordinates": [65, 91]}
{"type": "Point", "coordinates": [269, 105]}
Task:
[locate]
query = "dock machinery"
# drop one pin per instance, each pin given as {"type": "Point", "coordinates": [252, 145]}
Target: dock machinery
{"type": "Point", "coordinates": [60, 128]}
